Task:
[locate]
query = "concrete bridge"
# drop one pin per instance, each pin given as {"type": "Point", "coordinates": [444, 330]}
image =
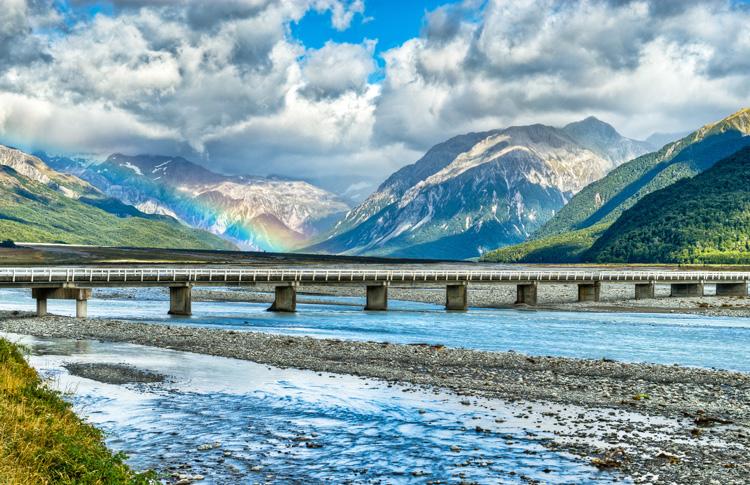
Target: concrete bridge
{"type": "Point", "coordinates": [75, 283]}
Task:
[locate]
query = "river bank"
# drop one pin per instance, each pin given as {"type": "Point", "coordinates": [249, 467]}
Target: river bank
{"type": "Point", "coordinates": [43, 441]}
{"type": "Point", "coordinates": [681, 424]}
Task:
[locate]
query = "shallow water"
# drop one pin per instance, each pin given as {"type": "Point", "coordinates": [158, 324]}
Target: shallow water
{"type": "Point", "coordinates": [694, 340]}
{"type": "Point", "coordinates": [298, 426]}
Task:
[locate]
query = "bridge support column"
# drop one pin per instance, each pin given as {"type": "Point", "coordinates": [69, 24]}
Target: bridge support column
{"type": "Point", "coordinates": [285, 299]}
{"type": "Point", "coordinates": [526, 294]}
{"type": "Point", "coordinates": [687, 289]}
{"type": "Point", "coordinates": [731, 289]}
{"type": "Point", "coordinates": [645, 291]}
{"type": "Point", "coordinates": [377, 297]}
{"type": "Point", "coordinates": [82, 308]}
{"type": "Point", "coordinates": [456, 297]}
{"type": "Point", "coordinates": [41, 307]}
{"type": "Point", "coordinates": [80, 295]}
{"type": "Point", "coordinates": [589, 291]}
{"type": "Point", "coordinates": [180, 300]}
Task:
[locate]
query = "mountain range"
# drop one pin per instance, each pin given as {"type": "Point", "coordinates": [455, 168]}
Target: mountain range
{"type": "Point", "coordinates": [570, 234]}
{"type": "Point", "coordinates": [254, 213]}
{"type": "Point", "coordinates": [479, 191]}
{"type": "Point", "coordinates": [39, 204]}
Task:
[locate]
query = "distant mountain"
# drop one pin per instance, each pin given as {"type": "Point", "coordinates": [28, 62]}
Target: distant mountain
{"type": "Point", "coordinates": [270, 214]}
{"type": "Point", "coordinates": [39, 204]}
{"type": "Point", "coordinates": [478, 191]}
{"type": "Point", "coordinates": [569, 234]}
{"type": "Point", "coordinates": [603, 139]}
{"type": "Point", "coordinates": [658, 140]}
{"type": "Point", "coordinates": [704, 219]}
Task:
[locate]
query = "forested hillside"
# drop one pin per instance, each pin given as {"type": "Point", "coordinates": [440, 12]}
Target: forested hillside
{"type": "Point", "coordinates": [704, 219]}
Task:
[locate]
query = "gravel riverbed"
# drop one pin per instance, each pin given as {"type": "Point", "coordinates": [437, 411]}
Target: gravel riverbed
{"type": "Point", "coordinates": [653, 423]}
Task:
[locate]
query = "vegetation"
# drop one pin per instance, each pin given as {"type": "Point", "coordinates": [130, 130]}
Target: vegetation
{"type": "Point", "coordinates": [34, 212]}
{"type": "Point", "coordinates": [42, 441]}
{"type": "Point", "coordinates": [568, 247]}
{"type": "Point", "coordinates": [705, 219]}
{"type": "Point", "coordinates": [603, 201]}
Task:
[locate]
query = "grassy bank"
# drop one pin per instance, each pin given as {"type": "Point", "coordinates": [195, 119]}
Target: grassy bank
{"type": "Point", "coordinates": [42, 441]}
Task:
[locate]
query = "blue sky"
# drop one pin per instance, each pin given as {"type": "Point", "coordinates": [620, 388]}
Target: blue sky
{"type": "Point", "coordinates": [392, 22]}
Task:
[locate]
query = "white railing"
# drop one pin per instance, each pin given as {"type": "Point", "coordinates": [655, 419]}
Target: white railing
{"type": "Point", "coordinates": [136, 276]}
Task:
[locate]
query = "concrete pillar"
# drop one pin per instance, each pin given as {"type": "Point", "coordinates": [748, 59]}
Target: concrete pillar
{"type": "Point", "coordinates": [589, 291]}
{"type": "Point", "coordinates": [645, 291]}
{"type": "Point", "coordinates": [285, 299]}
{"type": "Point", "coordinates": [41, 307]}
{"type": "Point", "coordinates": [526, 294]}
{"type": "Point", "coordinates": [180, 300]}
{"type": "Point", "coordinates": [82, 308]}
{"type": "Point", "coordinates": [687, 289]}
{"type": "Point", "coordinates": [731, 289]}
{"type": "Point", "coordinates": [377, 297]}
{"type": "Point", "coordinates": [80, 295]}
{"type": "Point", "coordinates": [456, 297]}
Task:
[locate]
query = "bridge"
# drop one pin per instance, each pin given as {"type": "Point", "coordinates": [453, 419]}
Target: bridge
{"type": "Point", "coordinates": [76, 283]}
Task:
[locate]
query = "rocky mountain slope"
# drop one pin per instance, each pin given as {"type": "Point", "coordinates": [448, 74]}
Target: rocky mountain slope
{"type": "Point", "coordinates": [479, 191]}
{"type": "Point", "coordinates": [270, 214]}
{"type": "Point", "coordinates": [704, 219]}
{"type": "Point", "coordinates": [569, 234]}
{"type": "Point", "coordinates": [39, 204]}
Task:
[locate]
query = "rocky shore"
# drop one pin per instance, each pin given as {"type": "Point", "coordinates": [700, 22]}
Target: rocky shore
{"type": "Point", "coordinates": [653, 423]}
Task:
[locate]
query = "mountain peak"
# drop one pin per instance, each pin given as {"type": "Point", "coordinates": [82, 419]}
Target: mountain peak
{"type": "Point", "coordinates": [603, 139]}
{"type": "Point", "coordinates": [592, 125]}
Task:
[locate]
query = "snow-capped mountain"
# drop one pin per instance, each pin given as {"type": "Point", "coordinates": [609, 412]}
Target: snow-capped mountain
{"type": "Point", "coordinates": [480, 191]}
{"type": "Point", "coordinates": [257, 213]}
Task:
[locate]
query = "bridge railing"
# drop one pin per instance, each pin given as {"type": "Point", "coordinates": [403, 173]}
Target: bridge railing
{"type": "Point", "coordinates": [56, 275]}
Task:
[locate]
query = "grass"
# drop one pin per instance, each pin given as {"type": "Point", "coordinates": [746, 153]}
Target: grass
{"type": "Point", "coordinates": [42, 441]}
{"type": "Point", "coordinates": [565, 248]}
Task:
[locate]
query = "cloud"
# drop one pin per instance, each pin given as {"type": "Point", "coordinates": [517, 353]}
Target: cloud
{"type": "Point", "coordinates": [336, 68]}
{"type": "Point", "coordinates": [646, 66]}
{"type": "Point", "coordinates": [226, 82]}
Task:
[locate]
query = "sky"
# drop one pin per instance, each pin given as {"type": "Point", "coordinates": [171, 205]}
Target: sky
{"type": "Point", "coordinates": [344, 92]}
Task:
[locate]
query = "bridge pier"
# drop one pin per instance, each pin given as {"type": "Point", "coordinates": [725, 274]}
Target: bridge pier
{"type": "Point", "coordinates": [377, 297]}
{"type": "Point", "coordinates": [456, 297]}
{"type": "Point", "coordinates": [589, 291]}
{"type": "Point", "coordinates": [687, 289]}
{"type": "Point", "coordinates": [731, 289]}
{"type": "Point", "coordinates": [181, 300]}
{"type": "Point", "coordinates": [526, 294]}
{"type": "Point", "coordinates": [41, 307]}
{"type": "Point", "coordinates": [645, 291]}
{"type": "Point", "coordinates": [285, 299]}
{"type": "Point", "coordinates": [80, 295]}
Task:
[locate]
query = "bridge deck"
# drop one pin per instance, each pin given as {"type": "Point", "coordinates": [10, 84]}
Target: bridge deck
{"type": "Point", "coordinates": [92, 277]}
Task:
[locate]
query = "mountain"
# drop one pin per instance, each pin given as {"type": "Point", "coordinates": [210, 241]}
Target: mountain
{"type": "Point", "coordinates": [569, 234]}
{"type": "Point", "coordinates": [658, 140]}
{"type": "Point", "coordinates": [270, 214]}
{"type": "Point", "coordinates": [704, 219]}
{"type": "Point", "coordinates": [602, 138]}
{"type": "Point", "coordinates": [478, 191]}
{"type": "Point", "coordinates": [604, 200]}
{"type": "Point", "coordinates": [39, 204]}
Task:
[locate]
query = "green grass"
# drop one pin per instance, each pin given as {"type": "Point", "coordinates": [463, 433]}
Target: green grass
{"type": "Point", "coordinates": [32, 212]}
{"type": "Point", "coordinates": [42, 441]}
{"type": "Point", "coordinates": [568, 247]}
